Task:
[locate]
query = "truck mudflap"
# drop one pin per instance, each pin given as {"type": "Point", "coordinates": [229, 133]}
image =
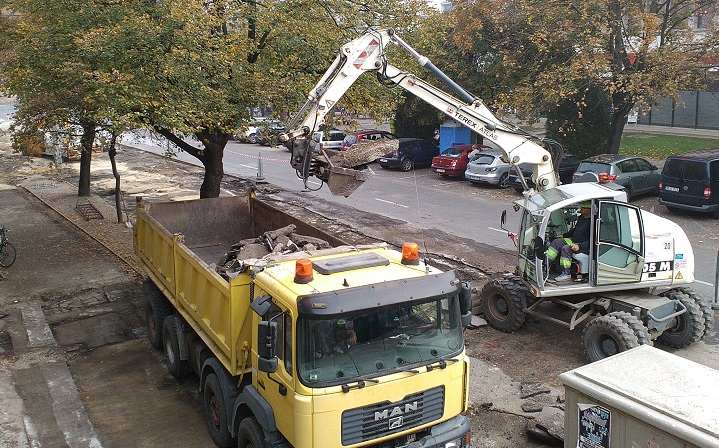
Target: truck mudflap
{"type": "Point", "coordinates": [454, 433]}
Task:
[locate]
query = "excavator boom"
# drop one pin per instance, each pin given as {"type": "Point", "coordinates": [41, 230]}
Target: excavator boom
{"type": "Point", "coordinates": [367, 53]}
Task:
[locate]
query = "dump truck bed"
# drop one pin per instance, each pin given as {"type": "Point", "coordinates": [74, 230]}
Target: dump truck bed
{"type": "Point", "coordinates": [179, 244]}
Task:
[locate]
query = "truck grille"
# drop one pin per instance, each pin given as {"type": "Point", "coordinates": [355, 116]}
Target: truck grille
{"type": "Point", "coordinates": [386, 418]}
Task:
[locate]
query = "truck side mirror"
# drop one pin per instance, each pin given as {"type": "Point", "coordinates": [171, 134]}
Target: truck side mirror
{"type": "Point", "coordinates": [266, 346]}
{"type": "Point", "coordinates": [261, 305]}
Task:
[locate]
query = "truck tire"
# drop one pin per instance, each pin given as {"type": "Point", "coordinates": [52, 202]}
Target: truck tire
{"type": "Point", "coordinates": [157, 308]}
{"type": "Point", "coordinates": [704, 305]}
{"type": "Point", "coordinates": [215, 412]}
{"type": "Point", "coordinates": [503, 302]}
{"type": "Point", "coordinates": [177, 367]}
{"type": "Point", "coordinates": [690, 325]}
{"type": "Point", "coordinates": [639, 329]}
{"type": "Point", "coordinates": [250, 434]}
{"type": "Point", "coordinates": [607, 335]}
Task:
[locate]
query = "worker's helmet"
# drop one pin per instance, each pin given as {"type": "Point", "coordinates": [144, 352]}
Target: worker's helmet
{"type": "Point", "coordinates": [585, 204]}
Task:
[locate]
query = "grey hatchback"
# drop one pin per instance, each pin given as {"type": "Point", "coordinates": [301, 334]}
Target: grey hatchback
{"type": "Point", "coordinates": [637, 175]}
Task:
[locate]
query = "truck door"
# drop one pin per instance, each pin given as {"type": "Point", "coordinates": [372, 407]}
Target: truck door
{"type": "Point", "coordinates": [277, 388]}
{"type": "Point", "coordinates": [619, 246]}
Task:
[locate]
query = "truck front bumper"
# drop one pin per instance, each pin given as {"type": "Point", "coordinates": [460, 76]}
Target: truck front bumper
{"type": "Point", "coordinates": [450, 434]}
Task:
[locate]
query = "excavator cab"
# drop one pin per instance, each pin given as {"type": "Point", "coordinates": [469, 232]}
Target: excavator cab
{"type": "Point", "coordinates": [616, 254]}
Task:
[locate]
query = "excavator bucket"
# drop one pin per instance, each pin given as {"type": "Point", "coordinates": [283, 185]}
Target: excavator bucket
{"type": "Point", "coordinates": [344, 181]}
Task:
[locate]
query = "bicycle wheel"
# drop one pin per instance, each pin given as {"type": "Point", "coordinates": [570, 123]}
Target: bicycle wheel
{"type": "Point", "coordinates": [7, 255]}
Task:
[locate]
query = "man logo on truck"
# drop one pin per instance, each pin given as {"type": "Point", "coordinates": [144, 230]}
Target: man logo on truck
{"type": "Point", "coordinates": [395, 414]}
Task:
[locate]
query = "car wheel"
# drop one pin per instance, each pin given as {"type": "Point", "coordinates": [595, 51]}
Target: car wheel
{"type": "Point", "coordinates": [253, 138]}
{"type": "Point", "coordinates": [406, 164]}
{"type": "Point", "coordinates": [503, 181]}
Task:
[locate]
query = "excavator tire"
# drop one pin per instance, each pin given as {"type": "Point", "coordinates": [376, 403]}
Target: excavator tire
{"type": "Point", "coordinates": [639, 329]}
{"type": "Point", "coordinates": [607, 335]}
{"type": "Point", "coordinates": [503, 302]}
{"type": "Point", "coordinates": [690, 325]}
{"type": "Point", "coordinates": [705, 306]}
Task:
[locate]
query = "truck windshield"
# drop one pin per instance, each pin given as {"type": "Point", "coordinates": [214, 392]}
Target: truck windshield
{"type": "Point", "coordinates": [378, 341]}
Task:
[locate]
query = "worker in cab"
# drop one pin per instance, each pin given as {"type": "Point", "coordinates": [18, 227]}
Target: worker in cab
{"type": "Point", "coordinates": [574, 241]}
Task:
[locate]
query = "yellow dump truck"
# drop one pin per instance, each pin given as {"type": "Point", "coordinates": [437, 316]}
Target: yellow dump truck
{"type": "Point", "coordinates": [342, 347]}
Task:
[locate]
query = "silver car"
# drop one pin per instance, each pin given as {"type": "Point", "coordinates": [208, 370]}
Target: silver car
{"type": "Point", "coordinates": [637, 175]}
{"type": "Point", "coordinates": [331, 141]}
{"type": "Point", "coordinates": [487, 167]}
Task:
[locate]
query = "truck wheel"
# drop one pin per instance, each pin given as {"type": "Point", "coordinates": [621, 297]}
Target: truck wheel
{"type": "Point", "coordinates": [689, 326]}
{"type": "Point", "coordinates": [503, 303]}
{"type": "Point", "coordinates": [250, 434]}
{"type": "Point", "coordinates": [156, 309]}
{"type": "Point", "coordinates": [638, 328]}
{"type": "Point", "coordinates": [214, 401]}
{"type": "Point", "coordinates": [177, 367]}
{"type": "Point", "coordinates": [607, 335]}
{"type": "Point", "coordinates": [704, 305]}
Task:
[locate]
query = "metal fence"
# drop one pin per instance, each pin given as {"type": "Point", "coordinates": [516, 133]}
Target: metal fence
{"type": "Point", "coordinates": [699, 110]}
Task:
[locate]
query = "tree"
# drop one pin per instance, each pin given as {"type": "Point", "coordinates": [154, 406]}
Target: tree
{"type": "Point", "coordinates": [190, 68]}
{"type": "Point", "coordinates": [636, 51]}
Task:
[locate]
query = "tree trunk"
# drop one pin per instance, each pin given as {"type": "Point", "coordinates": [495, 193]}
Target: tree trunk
{"type": "Point", "coordinates": [116, 175]}
{"type": "Point", "coordinates": [86, 141]}
{"type": "Point", "coordinates": [214, 143]}
{"type": "Point", "coordinates": [620, 111]}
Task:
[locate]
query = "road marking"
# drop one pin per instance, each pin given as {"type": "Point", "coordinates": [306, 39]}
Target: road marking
{"type": "Point", "coordinates": [393, 203]}
{"type": "Point", "coordinates": [497, 230]}
{"type": "Point", "coordinates": [703, 283]}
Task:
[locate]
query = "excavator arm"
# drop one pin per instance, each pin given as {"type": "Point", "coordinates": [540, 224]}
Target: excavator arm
{"type": "Point", "coordinates": [367, 53]}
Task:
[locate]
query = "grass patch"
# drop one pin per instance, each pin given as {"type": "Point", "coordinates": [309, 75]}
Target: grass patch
{"type": "Point", "coordinates": [661, 146]}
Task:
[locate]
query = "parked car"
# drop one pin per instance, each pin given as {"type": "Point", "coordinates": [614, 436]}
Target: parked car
{"type": "Point", "coordinates": [567, 166]}
{"type": "Point", "coordinates": [453, 161]}
{"type": "Point", "coordinates": [488, 167]}
{"type": "Point", "coordinates": [330, 140]}
{"type": "Point", "coordinates": [365, 134]}
{"type": "Point", "coordinates": [411, 153]}
{"type": "Point", "coordinates": [637, 175]}
{"type": "Point", "coordinates": [248, 134]}
{"type": "Point", "coordinates": [268, 133]}
{"type": "Point", "coordinates": [691, 182]}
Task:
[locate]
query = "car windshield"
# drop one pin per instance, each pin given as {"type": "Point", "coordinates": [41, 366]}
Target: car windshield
{"type": "Point", "coordinates": [351, 139]}
{"type": "Point", "coordinates": [340, 350]}
{"type": "Point", "coordinates": [452, 152]}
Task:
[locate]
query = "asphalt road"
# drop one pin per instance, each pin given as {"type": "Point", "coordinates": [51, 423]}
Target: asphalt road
{"type": "Point", "coordinates": [427, 201]}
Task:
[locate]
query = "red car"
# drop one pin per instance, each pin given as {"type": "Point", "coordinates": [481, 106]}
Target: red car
{"type": "Point", "coordinates": [452, 162]}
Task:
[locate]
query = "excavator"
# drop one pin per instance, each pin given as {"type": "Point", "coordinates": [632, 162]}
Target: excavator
{"type": "Point", "coordinates": [630, 289]}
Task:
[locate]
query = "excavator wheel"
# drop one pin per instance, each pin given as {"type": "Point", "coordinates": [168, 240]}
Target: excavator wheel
{"type": "Point", "coordinates": [689, 327]}
{"type": "Point", "coordinates": [638, 328]}
{"type": "Point", "coordinates": [503, 302]}
{"type": "Point", "coordinates": [705, 306]}
{"type": "Point", "coordinates": [608, 335]}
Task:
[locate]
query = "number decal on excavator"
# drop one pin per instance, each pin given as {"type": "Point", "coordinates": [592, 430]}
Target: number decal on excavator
{"type": "Point", "coordinates": [657, 266]}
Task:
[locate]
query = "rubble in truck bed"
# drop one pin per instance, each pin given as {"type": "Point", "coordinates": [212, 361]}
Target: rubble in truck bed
{"type": "Point", "coordinates": [281, 241]}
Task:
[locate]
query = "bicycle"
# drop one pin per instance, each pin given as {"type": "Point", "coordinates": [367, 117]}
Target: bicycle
{"type": "Point", "coordinates": [7, 250]}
